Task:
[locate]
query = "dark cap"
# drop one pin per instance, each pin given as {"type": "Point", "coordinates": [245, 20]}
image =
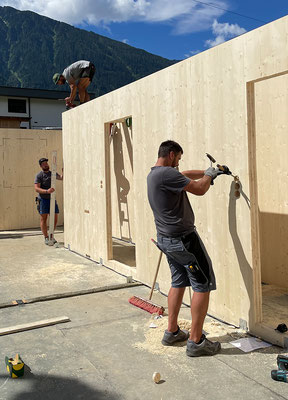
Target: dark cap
{"type": "Point", "coordinates": [42, 160]}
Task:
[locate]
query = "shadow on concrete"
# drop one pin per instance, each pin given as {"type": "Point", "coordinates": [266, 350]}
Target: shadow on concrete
{"type": "Point", "coordinates": [10, 236]}
{"type": "Point", "coordinates": [51, 387]}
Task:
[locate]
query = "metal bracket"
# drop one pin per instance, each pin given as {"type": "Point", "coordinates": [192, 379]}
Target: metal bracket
{"type": "Point", "coordinates": [243, 324]}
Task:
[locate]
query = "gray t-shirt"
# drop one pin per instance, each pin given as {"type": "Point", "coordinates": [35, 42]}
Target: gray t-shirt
{"type": "Point", "coordinates": [169, 202]}
{"type": "Point", "coordinates": [44, 178]}
{"type": "Point", "coordinates": [73, 72]}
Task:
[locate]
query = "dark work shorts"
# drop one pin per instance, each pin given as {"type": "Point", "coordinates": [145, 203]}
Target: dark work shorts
{"type": "Point", "coordinates": [189, 262]}
{"type": "Point", "coordinates": [88, 72]}
{"type": "Point", "coordinates": [44, 206]}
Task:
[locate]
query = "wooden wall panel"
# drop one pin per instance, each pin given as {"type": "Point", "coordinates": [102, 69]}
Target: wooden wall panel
{"type": "Point", "coordinates": [20, 150]}
{"type": "Point", "coordinates": [200, 102]}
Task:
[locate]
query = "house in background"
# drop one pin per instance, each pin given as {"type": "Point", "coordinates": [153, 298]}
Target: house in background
{"type": "Point", "coordinates": [32, 108]}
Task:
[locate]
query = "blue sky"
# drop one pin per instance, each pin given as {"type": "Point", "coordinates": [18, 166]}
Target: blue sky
{"type": "Point", "coordinates": [175, 29]}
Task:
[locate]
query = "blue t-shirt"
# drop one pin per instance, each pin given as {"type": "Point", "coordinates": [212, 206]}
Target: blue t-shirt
{"type": "Point", "coordinates": [44, 178]}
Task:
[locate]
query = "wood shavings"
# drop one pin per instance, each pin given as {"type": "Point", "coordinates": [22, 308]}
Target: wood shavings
{"type": "Point", "coordinates": [213, 329]}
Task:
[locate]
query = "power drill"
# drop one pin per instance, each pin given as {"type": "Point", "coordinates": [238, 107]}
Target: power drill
{"type": "Point", "coordinates": [281, 374]}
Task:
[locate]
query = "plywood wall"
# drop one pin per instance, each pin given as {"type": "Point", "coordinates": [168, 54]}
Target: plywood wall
{"type": "Point", "coordinates": [201, 103]}
{"type": "Point", "coordinates": [20, 150]}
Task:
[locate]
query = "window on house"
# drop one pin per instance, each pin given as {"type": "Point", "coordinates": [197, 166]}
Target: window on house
{"type": "Point", "coordinates": [16, 106]}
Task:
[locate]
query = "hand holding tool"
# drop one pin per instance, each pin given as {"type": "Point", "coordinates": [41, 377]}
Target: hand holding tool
{"type": "Point", "coordinates": [212, 172]}
{"type": "Point", "coordinates": [222, 169]}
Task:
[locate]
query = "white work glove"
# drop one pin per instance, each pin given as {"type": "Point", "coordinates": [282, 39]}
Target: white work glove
{"type": "Point", "coordinates": [211, 171]}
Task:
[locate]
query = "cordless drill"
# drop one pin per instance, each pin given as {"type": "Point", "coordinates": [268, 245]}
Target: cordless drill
{"type": "Point", "coordinates": [281, 374]}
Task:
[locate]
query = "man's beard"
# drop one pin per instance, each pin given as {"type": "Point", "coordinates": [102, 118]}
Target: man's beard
{"type": "Point", "coordinates": [45, 169]}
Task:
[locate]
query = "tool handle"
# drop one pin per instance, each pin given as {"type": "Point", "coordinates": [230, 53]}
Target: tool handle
{"type": "Point", "coordinates": [156, 274]}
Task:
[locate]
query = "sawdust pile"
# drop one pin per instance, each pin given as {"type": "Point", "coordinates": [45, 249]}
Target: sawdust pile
{"type": "Point", "coordinates": [213, 330]}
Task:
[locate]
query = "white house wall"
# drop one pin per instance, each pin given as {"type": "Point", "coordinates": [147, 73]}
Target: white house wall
{"type": "Point", "coordinates": [46, 113]}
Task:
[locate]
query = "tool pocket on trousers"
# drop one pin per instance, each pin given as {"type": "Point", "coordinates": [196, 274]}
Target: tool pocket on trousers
{"type": "Point", "coordinates": [170, 245]}
{"type": "Point", "coordinates": [175, 249]}
{"type": "Point", "coordinates": [196, 271]}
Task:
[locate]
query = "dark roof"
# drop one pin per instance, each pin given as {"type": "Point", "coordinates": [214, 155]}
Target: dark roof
{"type": "Point", "coordinates": [36, 93]}
{"type": "Point", "coordinates": [4, 118]}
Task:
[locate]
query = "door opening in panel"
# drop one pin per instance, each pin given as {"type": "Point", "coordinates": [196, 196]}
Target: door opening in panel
{"type": "Point", "coordinates": [120, 191]}
{"type": "Point", "coordinates": [269, 185]}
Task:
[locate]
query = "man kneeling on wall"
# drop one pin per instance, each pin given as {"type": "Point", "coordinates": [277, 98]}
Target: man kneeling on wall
{"type": "Point", "coordinates": [44, 190]}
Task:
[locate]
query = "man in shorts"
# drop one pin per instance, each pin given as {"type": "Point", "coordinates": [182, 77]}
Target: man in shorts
{"type": "Point", "coordinates": [78, 75]}
{"type": "Point", "coordinates": [43, 188]}
{"type": "Point", "coordinates": [177, 237]}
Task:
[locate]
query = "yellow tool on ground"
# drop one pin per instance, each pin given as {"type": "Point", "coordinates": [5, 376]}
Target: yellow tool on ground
{"type": "Point", "coordinates": [15, 366]}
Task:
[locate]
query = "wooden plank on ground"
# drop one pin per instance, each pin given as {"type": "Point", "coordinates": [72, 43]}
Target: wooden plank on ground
{"type": "Point", "coordinates": [59, 296]}
{"type": "Point", "coordinates": [33, 325]}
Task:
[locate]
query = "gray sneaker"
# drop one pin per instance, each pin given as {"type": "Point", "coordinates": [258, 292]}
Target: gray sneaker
{"type": "Point", "coordinates": [205, 348]}
{"type": "Point", "coordinates": [47, 241]}
{"type": "Point", "coordinates": [169, 338]}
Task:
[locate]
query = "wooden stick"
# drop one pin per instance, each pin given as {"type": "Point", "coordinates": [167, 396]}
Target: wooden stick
{"type": "Point", "coordinates": [156, 274]}
{"type": "Point", "coordinates": [33, 325]}
{"type": "Point", "coordinates": [58, 296]}
{"type": "Point", "coordinates": [52, 198]}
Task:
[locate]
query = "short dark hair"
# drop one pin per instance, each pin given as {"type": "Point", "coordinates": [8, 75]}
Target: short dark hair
{"type": "Point", "coordinates": [167, 146]}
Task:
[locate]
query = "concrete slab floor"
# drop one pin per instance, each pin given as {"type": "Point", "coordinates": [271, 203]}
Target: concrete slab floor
{"type": "Point", "coordinates": [103, 352]}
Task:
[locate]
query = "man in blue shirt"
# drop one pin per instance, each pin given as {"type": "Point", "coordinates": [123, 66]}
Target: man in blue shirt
{"type": "Point", "coordinates": [43, 188]}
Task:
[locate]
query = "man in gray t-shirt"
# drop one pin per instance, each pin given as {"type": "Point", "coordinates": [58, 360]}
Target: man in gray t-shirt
{"type": "Point", "coordinates": [189, 262]}
{"type": "Point", "coordinates": [43, 187]}
{"type": "Point", "coordinates": [78, 75]}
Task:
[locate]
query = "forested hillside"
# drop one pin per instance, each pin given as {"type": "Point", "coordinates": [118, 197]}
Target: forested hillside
{"type": "Point", "coordinates": [33, 48]}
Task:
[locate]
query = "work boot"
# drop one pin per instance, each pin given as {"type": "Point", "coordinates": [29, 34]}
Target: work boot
{"type": "Point", "coordinates": [170, 338]}
{"type": "Point", "coordinates": [204, 348]}
{"type": "Point", "coordinates": [70, 105]}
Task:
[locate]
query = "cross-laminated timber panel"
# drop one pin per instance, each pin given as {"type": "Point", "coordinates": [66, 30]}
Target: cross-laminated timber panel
{"type": "Point", "coordinates": [206, 104]}
{"type": "Point", "coordinates": [20, 150]}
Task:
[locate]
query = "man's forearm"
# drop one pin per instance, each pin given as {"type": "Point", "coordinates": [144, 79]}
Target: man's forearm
{"type": "Point", "coordinates": [41, 191]}
{"type": "Point", "coordinates": [193, 174]}
{"type": "Point", "coordinates": [73, 88]}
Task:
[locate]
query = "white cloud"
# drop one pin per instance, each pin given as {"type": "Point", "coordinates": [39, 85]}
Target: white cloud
{"type": "Point", "coordinates": [125, 41]}
{"type": "Point", "coordinates": [192, 53]}
{"type": "Point", "coordinates": [223, 32]}
{"type": "Point", "coordinates": [184, 16]}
